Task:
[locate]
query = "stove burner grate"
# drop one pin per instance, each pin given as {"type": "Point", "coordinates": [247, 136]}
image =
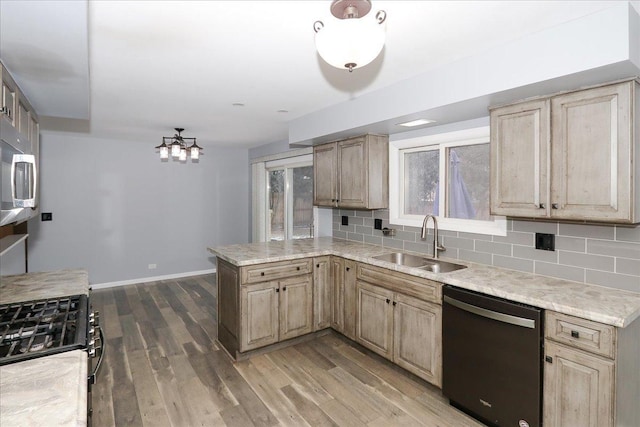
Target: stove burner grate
{"type": "Point", "coordinates": [34, 328]}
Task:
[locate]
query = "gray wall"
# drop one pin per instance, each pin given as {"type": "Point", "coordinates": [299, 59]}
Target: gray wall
{"type": "Point", "coordinates": [117, 208]}
{"type": "Point", "coordinates": [597, 254]}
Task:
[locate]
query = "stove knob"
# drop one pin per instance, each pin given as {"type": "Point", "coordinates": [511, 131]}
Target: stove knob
{"type": "Point", "coordinates": [92, 332]}
{"type": "Point", "coordinates": [94, 318]}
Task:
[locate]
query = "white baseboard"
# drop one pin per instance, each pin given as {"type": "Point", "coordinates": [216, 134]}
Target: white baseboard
{"type": "Point", "coordinates": [151, 279]}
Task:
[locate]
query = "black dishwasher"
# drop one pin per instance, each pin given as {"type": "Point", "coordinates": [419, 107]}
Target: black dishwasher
{"type": "Point", "coordinates": [492, 358]}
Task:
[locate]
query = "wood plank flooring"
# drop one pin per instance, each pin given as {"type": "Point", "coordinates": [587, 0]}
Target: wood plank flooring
{"type": "Point", "coordinates": [163, 368]}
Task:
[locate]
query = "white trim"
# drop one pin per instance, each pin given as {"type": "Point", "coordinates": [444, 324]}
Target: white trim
{"type": "Point", "coordinates": [151, 279]}
{"type": "Point", "coordinates": [285, 155]}
{"type": "Point", "coordinates": [259, 202]}
{"type": "Point", "coordinates": [440, 142]}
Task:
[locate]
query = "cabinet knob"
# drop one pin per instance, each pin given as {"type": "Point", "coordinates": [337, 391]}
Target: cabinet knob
{"type": "Point", "coordinates": [388, 300]}
{"type": "Point", "coordinates": [548, 359]}
{"type": "Point", "coordinates": [298, 268]}
{"type": "Point", "coordinates": [575, 334]}
{"type": "Point", "coordinates": [317, 265]}
{"type": "Point", "coordinates": [347, 268]}
{"type": "Point", "coordinates": [284, 288]}
{"type": "Point", "coordinates": [277, 289]}
{"type": "Point", "coordinates": [262, 273]}
{"type": "Point", "coordinates": [541, 206]}
{"type": "Point", "coordinates": [554, 206]}
{"type": "Point", "coordinates": [395, 303]}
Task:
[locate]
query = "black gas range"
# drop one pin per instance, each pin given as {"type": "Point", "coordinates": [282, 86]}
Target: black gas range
{"type": "Point", "coordinates": [49, 326]}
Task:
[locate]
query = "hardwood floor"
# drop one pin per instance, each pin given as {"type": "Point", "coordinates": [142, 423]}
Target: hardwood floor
{"type": "Point", "coordinates": [163, 368]}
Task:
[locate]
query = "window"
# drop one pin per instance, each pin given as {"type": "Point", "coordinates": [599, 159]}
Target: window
{"type": "Point", "coordinates": [446, 175]}
{"type": "Point", "coordinates": [290, 199]}
{"type": "Point", "coordinates": [282, 198]}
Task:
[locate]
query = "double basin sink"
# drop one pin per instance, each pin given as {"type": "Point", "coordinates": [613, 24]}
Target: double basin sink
{"type": "Point", "coordinates": [429, 264]}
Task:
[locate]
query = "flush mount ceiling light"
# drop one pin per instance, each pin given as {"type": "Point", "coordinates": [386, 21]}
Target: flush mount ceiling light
{"type": "Point", "coordinates": [354, 39]}
{"type": "Point", "coordinates": [177, 144]}
{"type": "Point", "coordinates": [417, 122]}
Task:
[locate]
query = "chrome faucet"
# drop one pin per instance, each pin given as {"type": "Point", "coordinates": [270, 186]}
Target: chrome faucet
{"type": "Point", "coordinates": [436, 245]}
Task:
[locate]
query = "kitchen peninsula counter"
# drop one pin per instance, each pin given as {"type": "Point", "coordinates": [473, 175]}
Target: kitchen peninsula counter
{"type": "Point", "coordinates": [601, 304]}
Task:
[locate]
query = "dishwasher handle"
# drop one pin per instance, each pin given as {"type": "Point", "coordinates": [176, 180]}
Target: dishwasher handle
{"type": "Point", "coordinates": [490, 314]}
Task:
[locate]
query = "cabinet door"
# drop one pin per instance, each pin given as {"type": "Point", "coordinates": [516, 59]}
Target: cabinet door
{"type": "Point", "coordinates": [8, 95]}
{"type": "Point", "coordinates": [296, 306]}
{"type": "Point", "coordinates": [337, 293]}
{"type": "Point", "coordinates": [321, 293]}
{"type": "Point", "coordinates": [325, 174]}
{"type": "Point", "coordinates": [578, 388]}
{"type": "Point", "coordinates": [352, 173]}
{"type": "Point", "coordinates": [591, 154]}
{"type": "Point", "coordinates": [417, 337]}
{"type": "Point", "coordinates": [519, 151]}
{"type": "Point", "coordinates": [350, 299]}
{"type": "Point", "coordinates": [374, 327]}
{"type": "Point", "coordinates": [259, 315]}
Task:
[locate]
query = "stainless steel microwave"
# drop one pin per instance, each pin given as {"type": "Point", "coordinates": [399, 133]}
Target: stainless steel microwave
{"type": "Point", "coordinates": [18, 178]}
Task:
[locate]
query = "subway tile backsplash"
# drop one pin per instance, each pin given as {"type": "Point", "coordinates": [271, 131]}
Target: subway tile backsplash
{"type": "Point", "coordinates": [597, 254]}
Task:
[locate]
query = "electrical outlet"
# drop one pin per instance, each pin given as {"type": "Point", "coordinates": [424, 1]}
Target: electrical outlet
{"type": "Point", "coordinates": [545, 242]}
{"type": "Point", "coordinates": [345, 220]}
{"type": "Point", "coordinates": [152, 266]}
{"type": "Point", "coordinates": [46, 216]}
{"type": "Point", "coordinates": [377, 224]}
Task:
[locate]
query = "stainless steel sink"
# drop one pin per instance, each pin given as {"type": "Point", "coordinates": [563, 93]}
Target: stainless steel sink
{"type": "Point", "coordinates": [436, 266]}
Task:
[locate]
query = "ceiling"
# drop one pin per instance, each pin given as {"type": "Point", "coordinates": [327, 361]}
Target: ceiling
{"type": "Point", "coordinates": [135, 69]}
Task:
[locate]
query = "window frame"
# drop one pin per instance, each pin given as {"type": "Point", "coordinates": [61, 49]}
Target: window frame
{"type": "Point", "coordinates": [441, 142]}
{"type": "Point", "coordinates": [287, 165]}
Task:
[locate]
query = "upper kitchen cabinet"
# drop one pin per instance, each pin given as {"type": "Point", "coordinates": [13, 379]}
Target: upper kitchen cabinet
{"type": "Point", "coordinates": [568, 157]}
{"type": "Point", "coordinates": [352, 173]}
{"type": "Point", "coordinates": [8, 97]}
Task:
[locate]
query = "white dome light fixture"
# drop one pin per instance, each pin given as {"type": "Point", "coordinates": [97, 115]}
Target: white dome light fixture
{"type": "Point", "coordinates": [354, 39]}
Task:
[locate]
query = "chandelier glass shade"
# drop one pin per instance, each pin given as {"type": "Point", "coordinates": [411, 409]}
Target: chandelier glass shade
{"type": "Point", "coordinates": [178, 147]}
{"type": "Point", "coordinates": [351, 41]}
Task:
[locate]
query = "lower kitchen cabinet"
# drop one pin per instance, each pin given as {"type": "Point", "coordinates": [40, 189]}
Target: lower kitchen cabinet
{"type": "Point", "coordinates": [417, 337]}
{"type": "Point", "coordinates": [591, 373]}
{"type": "Point", "coordinates": [321, 293]}
{"type": "Point", "coordinates": [275, 311]}
{"type": "Point", "coordinates": [259, 315]}
{"type": "Point", "coordinates": [374, 328]}
{"type": "Point", "coordinates": [578, 388]}
{"type": "Point", "coordinates": [401, 328]}
{"type": "Point", "coordinates": [343, 310]}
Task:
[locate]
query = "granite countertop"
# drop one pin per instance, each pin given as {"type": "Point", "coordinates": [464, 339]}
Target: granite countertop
{"type": "Point", "coordinates": [49, 391]}
{"type": "Point", "coordinates": [600, 304]}
{"type": "Point", "coordinates": [48, 284]}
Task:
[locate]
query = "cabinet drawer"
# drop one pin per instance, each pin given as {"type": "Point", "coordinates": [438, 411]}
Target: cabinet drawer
{"type": "Point", "coordinates": [275, 270]}
{"type": "Point", "coordinates": [418, 287]}
{"type": "Point", "coordinates": [581, 333]}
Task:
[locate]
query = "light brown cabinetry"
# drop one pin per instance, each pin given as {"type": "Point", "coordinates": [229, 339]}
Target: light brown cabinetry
{"type": "Point", "coordinates": [275, 311]}
{"type": "Point", "coordinates": [321, 293]}
{"type": "Point", "coordinates": [591, 374]}
{"type": "Point", "coordinates": [254, 313]}
{"type": "Point", "coordinates": [402, 328]}
{"type": "Point", "coordinates": [343, 317]}
{"type": "Point", "coordinates": [352, 173]}
{"type": "Point", "coordinates": [569, 156]}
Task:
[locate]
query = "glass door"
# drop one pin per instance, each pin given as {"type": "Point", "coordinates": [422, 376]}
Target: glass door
{"type": "Point", "coordinates": [290, 202]}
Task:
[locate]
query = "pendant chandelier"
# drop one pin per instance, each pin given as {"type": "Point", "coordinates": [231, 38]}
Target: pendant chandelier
{"type": "Point", "coordinates": [354, 39]}
{"type": "Point", "coordinates": [177, 146]}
